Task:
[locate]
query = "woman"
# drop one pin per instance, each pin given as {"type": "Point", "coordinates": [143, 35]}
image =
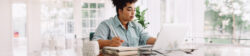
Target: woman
{"type": "Point", "coordinates": [129, 33]}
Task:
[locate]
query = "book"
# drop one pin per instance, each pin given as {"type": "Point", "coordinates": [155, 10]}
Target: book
{"type": "Point", "coordinates": [121, 48]}
{"type": "Point", "coordinates": [120, 51]}
{"type": "Point", "coordinates": [123, 53]}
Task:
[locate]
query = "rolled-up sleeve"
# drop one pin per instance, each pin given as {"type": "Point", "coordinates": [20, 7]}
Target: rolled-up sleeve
{"type": "Point", "coordinates": [101, 32]}
{"type": "Point", "coordinates": [144, 36]}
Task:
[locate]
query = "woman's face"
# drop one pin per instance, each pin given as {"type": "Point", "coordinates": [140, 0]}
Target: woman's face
{"type": "Point", "coordinates": [127, 14]}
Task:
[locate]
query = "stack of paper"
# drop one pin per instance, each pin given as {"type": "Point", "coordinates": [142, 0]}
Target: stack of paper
{"type": "Point", "coordinates": [120, 51]}
{"type": "Point", "coordinates": [146, 50]}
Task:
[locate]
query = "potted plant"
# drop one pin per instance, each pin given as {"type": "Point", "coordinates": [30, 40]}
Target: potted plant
{"type": "Point", "coordinates": [140, 17]}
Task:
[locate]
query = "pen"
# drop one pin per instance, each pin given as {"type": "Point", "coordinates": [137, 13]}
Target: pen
{"type": "Point", "coordinates": [112, 29]}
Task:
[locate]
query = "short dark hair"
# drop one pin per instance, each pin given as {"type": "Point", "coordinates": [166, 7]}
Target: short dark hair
{"type": "Point", "coordinates": [120, 4]}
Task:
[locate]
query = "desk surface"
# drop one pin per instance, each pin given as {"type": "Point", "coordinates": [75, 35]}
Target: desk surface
{"type": "Point", "coordinates": [213, 50]}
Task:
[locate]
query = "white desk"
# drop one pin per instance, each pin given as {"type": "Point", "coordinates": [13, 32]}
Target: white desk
{"type": "Point", "coordinates": [215, 50]}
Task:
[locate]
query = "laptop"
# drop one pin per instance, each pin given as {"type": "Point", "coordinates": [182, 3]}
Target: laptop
{"type": "Point", "coordinates": [171, 37]}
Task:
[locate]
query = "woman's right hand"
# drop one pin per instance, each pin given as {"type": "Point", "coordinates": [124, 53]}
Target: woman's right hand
{"type": "Point", "coordinates": [116, 41]}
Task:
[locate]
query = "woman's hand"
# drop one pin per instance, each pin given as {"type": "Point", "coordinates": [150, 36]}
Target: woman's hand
{"type": "Point", "coordinates": [116, 41]}
{"type": "Point", "coordinates": [151, 41]}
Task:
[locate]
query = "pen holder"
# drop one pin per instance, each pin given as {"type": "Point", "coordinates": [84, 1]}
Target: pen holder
{"type": "Point", "coordinates": [90, 48]}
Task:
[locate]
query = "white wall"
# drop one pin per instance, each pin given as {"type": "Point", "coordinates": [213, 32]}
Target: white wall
{"type": "Point", "coordinates": [77, 18]}
{"type": "Point", "coordinates": [189, 12]}
{"type": "Point", "coordinates": [33, 28]}
{"type": "Point", "coordinates": [153, 16]}
{"type": "Point", "coordinates": [198, 11]}
{"type": "Point", "coordinates": [5, 28]}
{"type": "Point", "coordinates": [78, 24]}
{"type": "Point", "coordinates": [110, 10]}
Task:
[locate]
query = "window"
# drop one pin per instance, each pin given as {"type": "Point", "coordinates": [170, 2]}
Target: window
{"type": "Point", "coordinates": [57, 28]}
{"type": "Point", "coordinates": [19, 16]}
{"type": "Point", "coordinates": [92, 15]}
{"type": "Point", "coordinates": [228, 21]}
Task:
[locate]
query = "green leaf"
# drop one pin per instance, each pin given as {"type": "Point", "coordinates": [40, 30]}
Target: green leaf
{"type": "Point", "coordinates": [140, 15]}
